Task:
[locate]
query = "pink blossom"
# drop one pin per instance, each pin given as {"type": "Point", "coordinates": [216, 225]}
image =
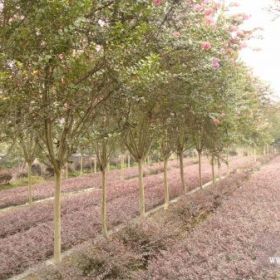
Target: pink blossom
{"type": "Point", "coordinates": [216, 121]}
{"type": "Point", "coordinates": [216, 63]}
{"type": "Point", "coordinates": [197, 8]}
{"type": "Point", "coordinates": [206, 46]}
{"type": "Point", "coordinates": [209, 20]}
{"type": "Point", "coordinates": [176, 34]}
{"type": "Point", "coordinates": [157, 2]}
{"type": "Point", "coordinates": [209, 12]}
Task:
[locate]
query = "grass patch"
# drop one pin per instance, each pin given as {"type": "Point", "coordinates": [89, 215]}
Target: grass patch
{"type": "Point", "coordinates": [22, 182]}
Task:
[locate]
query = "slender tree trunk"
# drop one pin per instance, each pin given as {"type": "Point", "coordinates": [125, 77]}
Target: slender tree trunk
{"type": "Point", "coordinates": [66, 170]}
{"type": "Point", "coordinates": [29, 184]}
{"type": "Point", "coordinates": [122, 167]}
{"type": "Point", "coordinates": [104, 204]}
{"type": "Point", "coordinates": [255, 154]}
{"type": "Point", "coordinates": [128, 161]}
{"type": "Point", "coordinates": [181, 158]}
{"type": "Point", "coordinates": [57, 217]}
{"type": "Point", "coordinates": [95, 165]}
{"type": "Point", "coordinates": [219, 169]}
{"type": "Point", "coordinates": [141, 189]}
{"type": "Point", "coordinates": [199, 169]}
{"type": "Point", "coordinates": [81, 165]}
{"type": "Point", "coordinates": [166, 186]}
{"type": "Point", "coordinates": [213, 171]}
{"type": "Point", "coordinates": [91, 165]}
{"type": "Point", "coordinates": [228, 169]}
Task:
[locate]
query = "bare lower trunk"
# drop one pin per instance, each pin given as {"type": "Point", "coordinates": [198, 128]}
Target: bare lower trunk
{"type": "Point", "coordinates": [166, 187]}
{"type": "Point", "coordinates": [95, 165]}
{"type": "Point", "coordinates": [29, 185]}
{"type": "Point", "coordinates": [66, 170]}
{"type": "Point", "coordinates": [255, 154]}
{"type": "Point", "coordinates": [181, 158]}
{"type": "Point", "coordinates": [141, 189]}
{"type": "Point", "coordinates": [57, 217]}
{"type": "Point", "coordinates": [128, 161]}
{"type": "Point", "coordinates": [219, 169]}
{"type": "Point", "coordinates": [104, 204]}
{"type": "Point", "coordinates": [122, 167]}
{"type": "Point", "coordinates": [81, 165]}
{"type": "Point", "coordinates": [228, 169]}
{"type": "Point", "coordinates": [199, 169]}
{"type": "Point", "coordinates": [213, 171]}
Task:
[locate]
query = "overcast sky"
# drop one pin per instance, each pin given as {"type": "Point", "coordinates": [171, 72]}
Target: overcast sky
{"type": "Point", "coordinates": [266, 62]}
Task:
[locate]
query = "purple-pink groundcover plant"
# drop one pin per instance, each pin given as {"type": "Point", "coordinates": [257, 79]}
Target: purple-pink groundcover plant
{"type": "Point", "coordinates": [26, 233]}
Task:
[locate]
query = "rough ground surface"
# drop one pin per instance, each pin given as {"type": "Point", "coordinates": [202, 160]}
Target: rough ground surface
{"type": "Point", "coordinates": [236, 243]}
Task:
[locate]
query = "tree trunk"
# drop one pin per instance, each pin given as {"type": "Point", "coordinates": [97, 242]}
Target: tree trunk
{"type": "Point", "coordinates": [213, 171]}
{"type": "Point", "coordinates": [29, 184]}
{"type": "Point", "coordinates": [104, 204]}
{"type": "Point", "coordinates": [128, 161]}
{"type": "Point", "coordinates": [66, 170]}
{"type": "Point", "coordinates": [141, 189]}
{"type": "Point", "coordinates": [95, 165]}
{"type": "Point", "coordinates": [199, 169]}
{"type": "Point", "coordinates": [81, 165]}
{"type": "Point", "coordinates": [166, 187]}
{"type": "Point", "coordinates": [228, 169]}
{"type": "Point", "coordinates": [57, 217]}
{"type": "Point", "coordinates": [219, 169]}
{"type": "Point", "coordinates": [181, 158]}
{"type": "Point", "coordinates": [122, 167]}
{"type": "Point", "coordinates": [255, 154]}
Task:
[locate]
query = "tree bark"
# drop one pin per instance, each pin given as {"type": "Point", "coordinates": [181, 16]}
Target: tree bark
{"type": "Point", "coordinates": [66, 170]}
{"type": "Point", "coordinates": [81, 165]}
{"type": "Point", "coordinates": [141, 189]}
{"type": "Point", "coordinates": [199, 169]}
{"type": "Point", "coordinates": [122, 167]}
{"type": "Point", "coordinates": [255, 154]}
{"type": "Point", "coordinates": [213, 171]}
{"type": "Point", "coordinates": [128, 161]}
{"type": "Point", "coordinates": [228, 169]}
{"type": "Point", "coordinates": [29, 184]}
{"type": "Point", "coordinates": [95, 168]}
{"type": "Point", "coordinates": [181, 158]}
{"type": "Point", "coordinates": [57, 217]}
{"type": "Point", "coordinates": [166, 186]}
{"type": "Point", "coordinates": [104, 204]}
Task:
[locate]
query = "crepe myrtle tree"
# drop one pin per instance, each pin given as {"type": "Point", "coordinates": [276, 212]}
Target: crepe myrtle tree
{"type": "Point", "coordinates": [139, 108]}
{"type": "Point", "coordinates": [166, 136]}
{"type": "Point", "coordinates": [16, 134]}
{"type": "Point", "coordinates": [65, 72]}
{"type": "Point", "coordinates": [103, 137]}
{"type": "Point", "coordinates": [65, 75]}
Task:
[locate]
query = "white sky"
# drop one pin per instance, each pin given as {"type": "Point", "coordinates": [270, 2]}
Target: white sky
{"type": "Point", "coordinates": [266, 62]}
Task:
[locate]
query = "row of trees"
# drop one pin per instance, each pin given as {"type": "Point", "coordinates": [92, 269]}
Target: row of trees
{"type": "Point", "coordinates": [125, 75]}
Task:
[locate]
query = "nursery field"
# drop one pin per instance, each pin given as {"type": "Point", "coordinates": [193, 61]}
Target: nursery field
{"type": "Point", "coordinates": [221, 232]}
{"type": "Point", "coordinates": [160, 87]}
{"type": "Point", "coordinates": [26, 232]}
